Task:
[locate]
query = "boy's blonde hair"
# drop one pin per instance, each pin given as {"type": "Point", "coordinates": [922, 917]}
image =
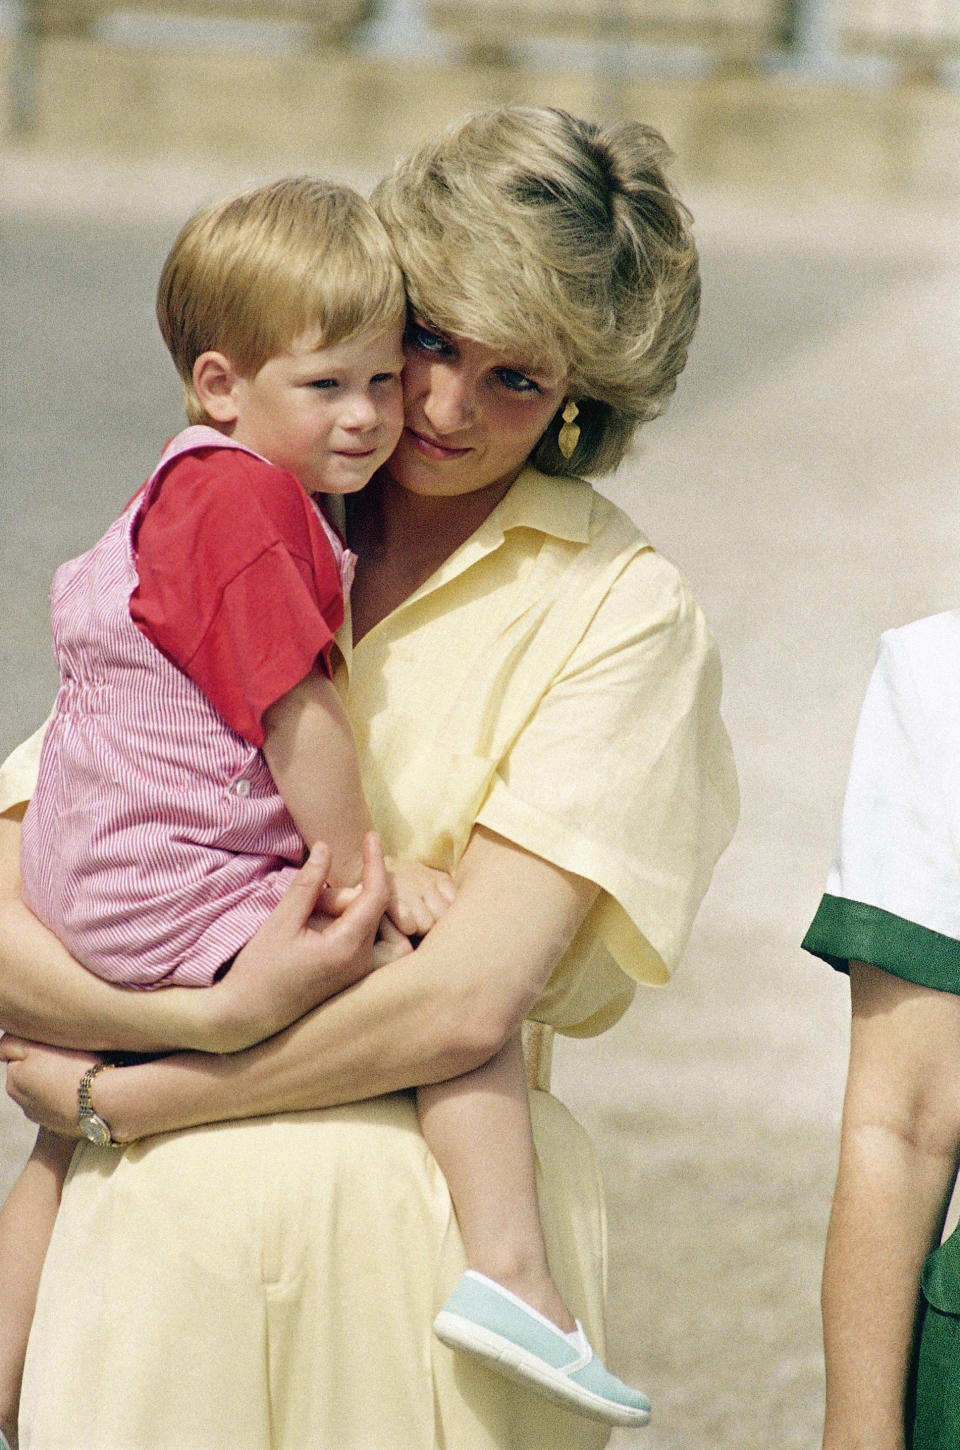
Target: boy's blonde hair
{"type": "Point", "coordinates": [251, 274]}
{"type": "Point", "coordinates": [560, 242]}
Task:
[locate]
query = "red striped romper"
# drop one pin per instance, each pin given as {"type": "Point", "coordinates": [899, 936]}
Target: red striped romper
{"type": "Point", "coordinates": [156, 842]}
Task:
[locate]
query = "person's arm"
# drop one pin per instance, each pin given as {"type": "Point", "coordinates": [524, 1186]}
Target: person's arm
{"type": "Point", "coordinates": [310, 750]}
{"type": "Point", "coordinates": [430, 1016]}
{"type": "Point", "coordinates": [898, 1160]}
{"type": "Point", "coordinates": [279, 975]}
{"type": "Point", "coordinates": [308, 745]}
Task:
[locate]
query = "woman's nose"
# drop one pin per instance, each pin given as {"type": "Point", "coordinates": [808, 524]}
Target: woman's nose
{"type": "Point", "coordinates": [451, 402]}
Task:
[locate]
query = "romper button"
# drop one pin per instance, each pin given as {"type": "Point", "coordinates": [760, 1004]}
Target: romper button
{"type": "Point", "coordinates": [242, 787]}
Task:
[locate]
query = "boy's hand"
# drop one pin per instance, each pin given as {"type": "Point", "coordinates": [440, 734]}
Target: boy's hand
{"type": "Point", "coordinates": [419, 895]}
{"type": "Point", "coordinates": [390, 944]}
{"type": "Point", "coordinates": [297, 960]}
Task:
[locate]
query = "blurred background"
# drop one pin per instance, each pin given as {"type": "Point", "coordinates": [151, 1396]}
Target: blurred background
{"type": "Point", "coordinates": [804, 477]}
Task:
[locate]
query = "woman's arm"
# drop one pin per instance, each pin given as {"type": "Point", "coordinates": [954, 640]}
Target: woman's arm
{"type": "Point", "coordinates": [898, 1160]}
{"type": "Point", "coordinates": [425, 1018]}
{"type": "Point", "coordinates": [282, 973]}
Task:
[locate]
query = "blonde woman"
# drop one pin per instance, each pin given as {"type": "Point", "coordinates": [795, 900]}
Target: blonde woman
{"type": "Point", "coordinates": [535, 698]}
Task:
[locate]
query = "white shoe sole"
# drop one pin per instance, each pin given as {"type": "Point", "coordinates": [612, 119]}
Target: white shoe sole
{"type": "Point", "coordinates": [528, 1369]}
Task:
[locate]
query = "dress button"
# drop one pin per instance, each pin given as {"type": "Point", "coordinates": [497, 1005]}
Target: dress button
{"type": "Point", "coordinates": [242, 787]}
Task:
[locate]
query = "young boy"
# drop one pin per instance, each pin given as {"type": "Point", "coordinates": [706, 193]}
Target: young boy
{"type": "Point", "coordinates": [198, 740]}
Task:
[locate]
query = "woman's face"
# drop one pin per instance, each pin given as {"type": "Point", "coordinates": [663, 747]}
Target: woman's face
{"type": "Point", "coordinates": [472, 415]}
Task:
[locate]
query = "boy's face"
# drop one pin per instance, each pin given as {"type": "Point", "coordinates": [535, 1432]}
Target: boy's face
{"type": "Point", "coordinates": [331, 415]}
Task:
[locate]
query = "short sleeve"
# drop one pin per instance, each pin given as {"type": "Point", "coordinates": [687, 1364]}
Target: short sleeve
{"type": "Point", "coordinates": [624, 773]}
{"type": "Point", "coordinates": [238, 583]}
{"type": "Point", "coordinates": [893, 890]}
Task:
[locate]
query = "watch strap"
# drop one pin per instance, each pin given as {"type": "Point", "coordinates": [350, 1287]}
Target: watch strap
{"type": "Point", "coordinates": [85, 1108]}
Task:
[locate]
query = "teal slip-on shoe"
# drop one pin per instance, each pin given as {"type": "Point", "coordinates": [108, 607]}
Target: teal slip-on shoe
{"type": "Point", "coordinates": [4, 1442]}
{"type": "Point", "coordinates": [486, 1321]}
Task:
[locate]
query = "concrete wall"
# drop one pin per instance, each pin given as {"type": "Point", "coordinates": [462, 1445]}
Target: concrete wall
{"type": "Point", "coordinates": [285, 111]}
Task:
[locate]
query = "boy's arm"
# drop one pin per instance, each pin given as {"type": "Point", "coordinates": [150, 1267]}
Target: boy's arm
{"type": "Point", "coordinates": [310, 750]}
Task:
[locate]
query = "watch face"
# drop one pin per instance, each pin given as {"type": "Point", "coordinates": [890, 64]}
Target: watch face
{"type": "Point", "coordinates": [94, 1128]}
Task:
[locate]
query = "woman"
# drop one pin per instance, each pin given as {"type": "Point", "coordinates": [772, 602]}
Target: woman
{"type": "Point", "coordinates": [535, 697]}
{"type": "Point", "coordinates": [891, 917]}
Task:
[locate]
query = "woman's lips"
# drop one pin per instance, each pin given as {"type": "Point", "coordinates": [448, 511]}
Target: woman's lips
{"type": "Point", "coordinates": [431, 448]}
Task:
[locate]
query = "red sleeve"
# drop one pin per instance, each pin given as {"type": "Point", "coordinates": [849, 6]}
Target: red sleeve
{"type": "Point", "coordinates": [239, 585]}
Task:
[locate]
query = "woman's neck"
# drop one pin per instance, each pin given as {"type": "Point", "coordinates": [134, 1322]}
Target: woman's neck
{"type": "Point", "coordinates": [401, 539]}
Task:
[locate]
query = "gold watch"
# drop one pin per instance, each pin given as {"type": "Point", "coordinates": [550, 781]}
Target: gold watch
{"type": "Point", "coordinates": [90, 1123]}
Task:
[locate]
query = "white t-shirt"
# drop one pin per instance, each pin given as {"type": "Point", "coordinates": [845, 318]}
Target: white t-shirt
{"type": "Point", "coordinates": [893, 891]}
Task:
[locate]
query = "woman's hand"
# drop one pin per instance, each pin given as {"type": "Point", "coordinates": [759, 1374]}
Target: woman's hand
{"type": "Point", "coordinates": [298, 959]}
{"type": "Point", "coordinates": [43, 1082]}
{"type": "Point", "coordinates": [428, 1016]}
{"type": "Point", "coordinates": [292, 963]}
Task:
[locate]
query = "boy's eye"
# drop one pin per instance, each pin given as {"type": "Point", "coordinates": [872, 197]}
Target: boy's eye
{"type": "Point", "coordinates": [323, 383]}
{"type": "Point", "coordinates": [384, 377]}
{"type": "Point", "coordinates": [517, 382]}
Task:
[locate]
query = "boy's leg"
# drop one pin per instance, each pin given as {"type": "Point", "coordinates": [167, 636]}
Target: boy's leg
{"type": "Point", "coordinates": [478, 1129]}
{"type": "Point", "coordinates": [26, 1223]}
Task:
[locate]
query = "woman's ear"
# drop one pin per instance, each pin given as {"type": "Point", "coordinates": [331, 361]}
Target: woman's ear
{"type": "Point", "coordinates": [214, 382]}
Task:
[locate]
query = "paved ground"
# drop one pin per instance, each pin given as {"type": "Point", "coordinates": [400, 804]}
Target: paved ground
{"type": "Point", "coordinates": [805, 478]}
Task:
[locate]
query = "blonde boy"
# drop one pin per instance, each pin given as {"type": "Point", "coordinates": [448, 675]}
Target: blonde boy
{"type": "Point", "coordinates": [198, 740]}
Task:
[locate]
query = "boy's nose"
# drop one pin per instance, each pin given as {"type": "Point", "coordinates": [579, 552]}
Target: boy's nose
{"type": "Point", "coordinates": [363, 412]}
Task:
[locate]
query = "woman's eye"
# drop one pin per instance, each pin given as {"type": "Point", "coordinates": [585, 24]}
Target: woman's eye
{"type": "Point", "coordinates": [423, 338]}
{"type": "Point", "coordinates": [517, 382]}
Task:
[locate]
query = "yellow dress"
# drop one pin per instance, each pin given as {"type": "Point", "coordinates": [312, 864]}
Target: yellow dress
{"type": "Point", "coordinates": [272, 1283]}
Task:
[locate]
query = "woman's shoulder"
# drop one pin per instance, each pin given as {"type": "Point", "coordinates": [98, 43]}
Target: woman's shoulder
{"type": "Point", "coordinates": [617, 575]}
{"type": "Point", "coordinates": [646, 578]}
{"type": "Point", "coordinates": [611, 523]}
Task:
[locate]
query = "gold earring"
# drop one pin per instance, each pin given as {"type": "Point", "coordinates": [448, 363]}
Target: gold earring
{"type": "Point", "coordinates": [569, 435]}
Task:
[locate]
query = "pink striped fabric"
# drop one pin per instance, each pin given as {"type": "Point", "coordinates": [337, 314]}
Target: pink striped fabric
{"type": "Point", "coordinates": [156, 841]}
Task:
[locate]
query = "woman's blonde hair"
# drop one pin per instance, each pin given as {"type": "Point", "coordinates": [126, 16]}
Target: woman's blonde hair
{"type": "Point", "coordinates": [251, 274]}
{"type": "Point", "coordinates": [560, 241]}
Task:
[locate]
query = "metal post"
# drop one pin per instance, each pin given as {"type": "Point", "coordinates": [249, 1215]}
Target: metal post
{"type": "Point", "coordinates": [24, 66]}
{"type": "Point", "coordinates": [399, 28]}
{"type": "Point", "coordinates": [611, 66]}
{"type": "Point", "coordinates": [812, 30]}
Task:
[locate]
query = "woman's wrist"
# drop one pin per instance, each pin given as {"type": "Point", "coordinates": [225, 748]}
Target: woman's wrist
{"type": "Point", "coordinates": [148, 1098]}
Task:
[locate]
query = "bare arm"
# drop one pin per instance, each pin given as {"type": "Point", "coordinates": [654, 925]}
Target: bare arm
{"type": "Point", "coordinates": [45, 994]}
{"type": "Point", "coordinates": [281, 973]}
{"type": "Point", "coordinates": [898, 1160]}
{"type": "Point", "coordinates": [310, 750]}
{"type": "Point", "coordinates": [428, 1017]}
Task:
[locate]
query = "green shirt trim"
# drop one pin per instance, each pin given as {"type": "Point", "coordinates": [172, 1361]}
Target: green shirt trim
{"type": "Point", "coordinates": [843, 931]}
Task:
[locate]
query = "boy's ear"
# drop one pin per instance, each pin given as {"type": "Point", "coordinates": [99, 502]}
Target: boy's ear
{"type": "Point", "coordinates": [214, 382]}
